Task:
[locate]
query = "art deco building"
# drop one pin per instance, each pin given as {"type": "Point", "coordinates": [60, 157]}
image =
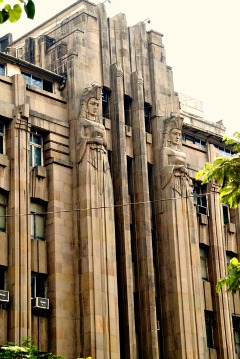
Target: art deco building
{"type": "Point", "coordinates": [109, 247]}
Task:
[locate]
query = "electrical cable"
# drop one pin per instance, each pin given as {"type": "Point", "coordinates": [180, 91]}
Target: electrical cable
{"type": "Point", "coordinates": [103, 207]}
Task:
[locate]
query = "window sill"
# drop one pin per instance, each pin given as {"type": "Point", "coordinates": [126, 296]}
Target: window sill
{"type": "Point", "coordinates": [4, 160]}
{"type": "Point", "coordinates": [128, 131]}
{"type": "Point", "coordinates": [40, 171]}
{"type": "Point", "coordinates": [231, 227]}
{"type": "Point", "coordinates": [203, 219]}
{"type": "Point", "coordinates": [148, 137]}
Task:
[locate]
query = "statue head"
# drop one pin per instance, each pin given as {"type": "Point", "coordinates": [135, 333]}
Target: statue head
{"type": "Point", "coordinates": [172, 132]}
{"type": "Point", "coordinates": [90, 102]}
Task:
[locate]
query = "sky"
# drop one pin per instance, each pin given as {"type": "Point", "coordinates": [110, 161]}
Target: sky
{"type": "Point", "coordinates": [201, 39]}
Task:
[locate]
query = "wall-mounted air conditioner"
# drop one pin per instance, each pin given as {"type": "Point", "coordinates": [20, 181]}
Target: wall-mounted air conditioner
{"type": "Point", "coordinates": [40, 303]}
{"type": "Point", "coordinates": [4, 296]}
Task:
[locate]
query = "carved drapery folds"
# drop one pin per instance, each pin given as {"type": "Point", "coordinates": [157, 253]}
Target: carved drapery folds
{"type": "Point", "coordinates": [97, 253]}
{"type": "Point", "coordinates": [174, 162]}
{"type": "Point", "coordinates": [181, 287]}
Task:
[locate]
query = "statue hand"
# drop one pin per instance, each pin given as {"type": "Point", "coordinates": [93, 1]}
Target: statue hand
{"type": "Point", "coordinates": [98, 141]}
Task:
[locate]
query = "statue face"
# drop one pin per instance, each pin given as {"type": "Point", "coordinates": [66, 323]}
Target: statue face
{"type": "Point", "coordinates": [175, 136]}
{"type": "Point", "coordinates": [93, 107]}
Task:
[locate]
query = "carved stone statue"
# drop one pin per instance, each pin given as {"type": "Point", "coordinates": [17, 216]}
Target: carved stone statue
{"type": "Point", "coordinates": [98, 279]}
{"type": "Point", "coordinates": [180, 274]}
{"type": "Point", "coordinates": [174, 160]}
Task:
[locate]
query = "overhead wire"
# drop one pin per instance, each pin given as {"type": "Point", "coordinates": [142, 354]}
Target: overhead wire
{"type": "Point", "coordinates": [104, 207]}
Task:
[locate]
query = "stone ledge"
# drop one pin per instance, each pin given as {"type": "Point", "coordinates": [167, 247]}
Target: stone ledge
{"type": "Point", "coordinates": [128, 131]}
{"type": "Point", "coordinates": [54, 160]}
{"type": "Point", "coordinates": [40, 171]}
{"type": "Point", "coordinates": [231, 227]}
{"type": "Point", "coordinates": [4, 160]}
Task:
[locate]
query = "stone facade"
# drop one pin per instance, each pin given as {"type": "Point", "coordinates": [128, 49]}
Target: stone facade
{"type": "Point", "coordinates": [108, 246]}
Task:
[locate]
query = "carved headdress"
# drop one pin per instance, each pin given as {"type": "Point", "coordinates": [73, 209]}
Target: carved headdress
{"type": "Point", "coordinates": [170, 124]}
{"type": "Point", "coordinates": [90, 92]}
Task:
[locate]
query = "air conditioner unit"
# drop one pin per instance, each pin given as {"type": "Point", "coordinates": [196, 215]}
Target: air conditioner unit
{"type": "Point", "coordinates": [4, 296]}
{"type": "Point", "coordinates": [40, 303]}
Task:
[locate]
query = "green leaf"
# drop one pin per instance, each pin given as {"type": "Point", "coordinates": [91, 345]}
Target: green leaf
{"type": "Point", "coordinates": [234, 262]}
{"type": "Point", "coordinates": [30, 9]}
{"type": "Point", "coordinates": [14, 13]}
{"type": "Point", "coordinates": [4, 15]}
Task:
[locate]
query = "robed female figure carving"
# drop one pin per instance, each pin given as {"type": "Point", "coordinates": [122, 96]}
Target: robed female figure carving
{"type": "Point", "coordinates": [174, 162]}
{"type": "Point", "coordinates": [98, 279]}
{"type": "Point", "coordinates": [180, 280]}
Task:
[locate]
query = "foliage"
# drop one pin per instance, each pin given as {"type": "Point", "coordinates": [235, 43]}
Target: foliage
{"type": "Point", "coordinates": [26, 349]}
{"type": "Point", "coordinates": [232, 279]}
{"type": "Point", "coordinates": [225, 171]}
{"type": "Point", "coordinates": [13, 13]}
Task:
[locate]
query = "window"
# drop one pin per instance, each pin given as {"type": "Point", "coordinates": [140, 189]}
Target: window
{"type": "Point", "coordinates": [3, 277]}
{"type": "Point", "coordinates": [200, 198]}
{"type": "Point", "coordinates": [37, 221]}
{"type": "Point", "coordinates": [105, 103]}
{"type": "Point", "coordinates": [236, 332]}
{"type": "Point", "coordinates": [223, 151]}
{"type": "Point", "coordinates": [110, 162]}
{"type": "Point", "coordinates": [36, 150]}
{"type": "Point", "coordinates": [38, 82]}
{"type": "Point", "coordinates": [38, 285]}
{"type": "Point", "coordinates": [195, 140]}
{"type": "Point", "coordinates": [209, 328]}
{"type": "Point", "coordinates": [2, 70]}
{"type": "Point", "coordinates": [127, 110]}
{"type": "Point", "coordinates": [2, 137]}
{"type": "Point", "coordinates": [49, 41]}
{"type": "Point", "coordinates": [226, 215]}
{"type": "Point", "coordinates": [130, 176]}
{"type": "Point", "coordinates": [3, 212]}
{"type": "Point", "coordinates": [147, 117]}
{"type": "Point", "coordinates": [204, 261]}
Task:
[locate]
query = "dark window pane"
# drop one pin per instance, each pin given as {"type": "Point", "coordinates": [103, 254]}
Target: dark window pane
{"type": "Point", "coordinates": [2, 277]}
{"type": "Point", "coordinates": [209, 335]}
{"type": "Point", "coordinates": [147, 117]}
{"type": "Point", "coordinates": [37, 221]}
{"type": "Point", "coordinates": [127, 110]}
{"type": "Point", "coordinates": [2, 218]}
{"type": "Point", "coordinates": [33, 285]}
{"type": "Point", "coordinates": [36, 139]}
{"type": "Point", "coordinates": [2, 70]}
{"type": "Point", "coordinates": [47, 86]}
{"type": "Point", "coordinates": [2, 128]}
{"type": "Point", "coordinates": [225, 215]}
{"type": "Point", "coordinates": [189, 138]}
{"type": "Point", "coordinates": [105, 104]}
{"type": "Point", "coordinates": [31, 164]}
{"type": "Point", "coordinates": [1, 144]}
{"type": "Point", "coordinates": [37, 156]}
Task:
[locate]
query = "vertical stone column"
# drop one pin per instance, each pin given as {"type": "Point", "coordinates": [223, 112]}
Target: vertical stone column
{"type": "Point", "coordinates": [19, 237]}
{"type": "Point", "coordinates": [145, 284]}
{"type": "Point", "coordinates": [178, 253]}
{"type": "Point", "coordinates": [60, 261]}
{"type": "Point", "coordinates": [223, 336]}
{"type": "Point", "coordinates": [122, 219]}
